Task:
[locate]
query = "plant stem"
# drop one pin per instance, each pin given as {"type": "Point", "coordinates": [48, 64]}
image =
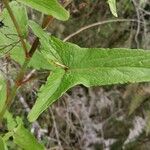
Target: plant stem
{"type": "Point", "coordinates": [12, 92]}
{"type": "Point", "coordinates": [11, 14]}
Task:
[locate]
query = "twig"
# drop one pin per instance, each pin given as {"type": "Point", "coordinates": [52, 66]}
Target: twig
{"type": "Point", "coordinates": [138, 25]}
{"type": "Point", "coordinates": [56, 131]}
{"type": "Point", "coordinates": [97, 24]}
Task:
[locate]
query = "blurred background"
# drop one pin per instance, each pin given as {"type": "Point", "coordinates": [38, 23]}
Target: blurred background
{"type": "Point", "coordinates": [98, 118]}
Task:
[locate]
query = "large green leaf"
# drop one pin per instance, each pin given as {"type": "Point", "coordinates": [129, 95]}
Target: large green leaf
{"type": "Point", "coordinates": [113, 9]}
{"type": "Point", "coordinates": [2, 92]}
{"type": "Point", "coordinates": [90, 67]}
{"type": "Point", "coordinates": [49, 7]}
{"type": "Point", "coordinates": [24, 139]}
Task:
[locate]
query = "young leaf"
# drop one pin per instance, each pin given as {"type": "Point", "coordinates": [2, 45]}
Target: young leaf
{"type": "Point", "coordinates": [91, 67]}
{"type": "Point", "coordinates": [24, 139]}
{"type": "Point", "coordinates": [48, 7]}
{"type": "Point", "coordinates": [112, 6]}
{"type": "Point", "coordinates": [2, 144]}
{"type": "Point", "coordinates": [2, 92]}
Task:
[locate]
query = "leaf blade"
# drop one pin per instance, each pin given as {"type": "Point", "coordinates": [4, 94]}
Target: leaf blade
{"type": "Point", "coordinates": [94, 67]}
{"type": "Point", "coordinates": [24, 139]}
{"type": "Point", "coordinates": [48, 7]}
{"type": "Point", "coordinates": [112, 6]}
{"type": "Point", "coordinates": [46, 92]}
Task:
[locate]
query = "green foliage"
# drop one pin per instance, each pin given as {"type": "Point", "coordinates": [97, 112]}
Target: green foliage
{"type": "Point", "coordinates": [11, 123]}
{"type": "Point", "coordinates": [21, 136]}
{"type": "Point", "coordinates": [49, 92]}
{"type": "Point", "coordinates": [22, 19]}
{"type": "Point", "coordinates": [9, 40]}
{"type": "Point", "coordinates": [46, 49]}
{"type": "Point", "coordinates": [113, 9]}
{"type": "Point", "coordinates": [69, 65]}
{"type": "Point", "coordinates": [2, 144]}
{"type": "Point", "coordinates": [48, 7]}
{"type": "Point", "coordinates": [38, 61]}
{"type": "Point", "coordinates": [88, 66]}
{"type": "Point", "coordinates": [24, 139]}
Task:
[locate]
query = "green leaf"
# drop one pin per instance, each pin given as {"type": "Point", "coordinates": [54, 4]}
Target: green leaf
{"type": "Point", "coordinates": [90, 67]}
{"type": "Point", "coordinates": [46, 45]}
{"type": "Point", "coordinates": [21, 17]}
{"type": "Point", "coordinates": [47, 91]}
{"type": "Point", "coordinates": [38, 61]}
{"type": "Point", "coordinates": [24, 139]}
{"type": "Point", "coordinates": [113, 9]}
{"type": "Point", "coordinates": [2, 92]}
{"type": "Point", "coordinates": [2, 144]}
{"type": "Point", "coordinates": [48, 7]}
{"type": "Point", "coordinates": [8, 35]}
{"type": "Point", "coordinates": [11, 124]}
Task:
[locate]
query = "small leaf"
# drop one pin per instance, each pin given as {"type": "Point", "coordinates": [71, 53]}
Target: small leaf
{"type": "Point", "coordinates": [112, 5]}
{"type": "Point", "coordinates": [24, 139]}
{"type": "Point", "coordinates": [48, 7]}
{"type": "Point", "coordinates": [2, 144]}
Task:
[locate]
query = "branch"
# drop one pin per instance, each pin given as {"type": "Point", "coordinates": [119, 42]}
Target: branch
{"type": "Point", "coordinates": [97, 24]}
